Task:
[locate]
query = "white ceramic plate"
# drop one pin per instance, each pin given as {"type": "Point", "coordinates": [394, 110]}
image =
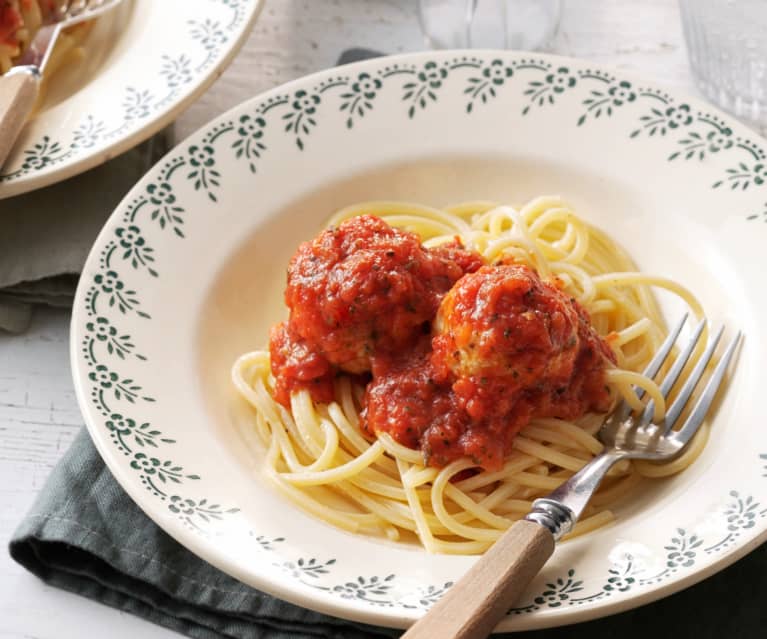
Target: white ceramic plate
{"type": "Point", "coordinates": [188, 273]}
{"type": "Point", "coordinates": [145, 62]}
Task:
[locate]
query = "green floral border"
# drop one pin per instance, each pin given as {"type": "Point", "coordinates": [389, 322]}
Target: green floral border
{"type": "Point", "coordinates": [682, 132]}
{"type": "Point", "coordinates": [202, 43]}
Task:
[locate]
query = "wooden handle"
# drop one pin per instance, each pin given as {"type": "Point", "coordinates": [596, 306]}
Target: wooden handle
{"type": "Point", "coordinates": [475, 605]}
{"type": "Point", "coordinates": [18, 92]}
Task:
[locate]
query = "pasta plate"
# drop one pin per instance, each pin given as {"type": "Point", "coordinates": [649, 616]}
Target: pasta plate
{"type": "Point", "coordinates": [190, 269]}
{"type": "Point", "coordinates": [142, 64]}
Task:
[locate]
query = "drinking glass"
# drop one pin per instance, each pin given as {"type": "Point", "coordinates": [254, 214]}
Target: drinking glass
{"type": "Point", "coordinates": [727, 47]}
{"type": "Point", "coordinates": [489, 24]}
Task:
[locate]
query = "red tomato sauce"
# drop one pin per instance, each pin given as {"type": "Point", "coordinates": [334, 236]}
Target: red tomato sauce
{"type": "Point", "coordinates": [295, 366]}
{"type": "Point", "coordinates": [10, 23]}
{"type": "Point", "coordinates": [12, 17]}
{"type": "Point", "coordinates": [460, 356]}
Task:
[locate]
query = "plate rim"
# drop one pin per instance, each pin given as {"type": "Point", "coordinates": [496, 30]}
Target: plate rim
{"type": "Point", "coordinates": [162, 118]}
{"type": "Point", "coordinates": [335, 607]}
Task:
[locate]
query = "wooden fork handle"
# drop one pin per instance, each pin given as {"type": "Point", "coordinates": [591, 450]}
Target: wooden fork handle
{"type": "Point", "coordinates": [475, 605]}
{"type": "Point", "coordinates": [18, 92]}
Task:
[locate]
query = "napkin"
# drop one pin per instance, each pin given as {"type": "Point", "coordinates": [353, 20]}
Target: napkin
{"type": "Point", "coordinates": [45, 235]}
{"type": "Point", "coordinates": [85, 535]}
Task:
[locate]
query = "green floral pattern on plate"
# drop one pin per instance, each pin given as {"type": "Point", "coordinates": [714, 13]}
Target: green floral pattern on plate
{"type": "Point", "coordinates": [692, 134]}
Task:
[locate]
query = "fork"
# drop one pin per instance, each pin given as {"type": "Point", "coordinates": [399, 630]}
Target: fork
{"type": "Point", "coordinates": [477, 602]}
{"type": "Point", "coordinates": [19, 87]}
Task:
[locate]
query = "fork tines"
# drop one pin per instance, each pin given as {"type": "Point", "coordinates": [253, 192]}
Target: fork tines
{"type": "Point", "coordinates": [675, 410]}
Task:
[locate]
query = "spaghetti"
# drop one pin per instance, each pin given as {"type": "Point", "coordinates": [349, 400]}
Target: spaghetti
{"type": "Point", "coordinates": [319, 455]}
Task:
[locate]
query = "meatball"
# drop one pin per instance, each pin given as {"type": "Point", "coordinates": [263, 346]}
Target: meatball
{"type": "Point", "coordinates": [503, 336]}
{"type": "Point", "coordinates": [364, 287]}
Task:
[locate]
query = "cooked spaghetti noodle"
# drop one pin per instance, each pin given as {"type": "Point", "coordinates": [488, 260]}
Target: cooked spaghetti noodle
{"type": "Point", "coordinates": [318, 455]}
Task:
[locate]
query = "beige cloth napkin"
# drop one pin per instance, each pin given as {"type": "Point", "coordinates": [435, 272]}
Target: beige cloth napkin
{"type": "Point", "coordinates": [45, 235]}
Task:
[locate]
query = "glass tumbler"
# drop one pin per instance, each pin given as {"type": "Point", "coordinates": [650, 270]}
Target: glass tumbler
{"type": "Point", "coordinates": [489, 24]}
{"type": "Point", "coordinates": [727, 47]}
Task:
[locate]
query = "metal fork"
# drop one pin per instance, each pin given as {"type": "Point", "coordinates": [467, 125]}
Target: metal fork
{"type": "Point", "coordinates": [19, 87]}
{"type": "Point", "coordinates": [474, 605]}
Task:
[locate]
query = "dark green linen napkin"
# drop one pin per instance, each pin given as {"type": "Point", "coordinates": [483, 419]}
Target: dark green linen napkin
{"type": "Point", "coordinates": [84, 534]}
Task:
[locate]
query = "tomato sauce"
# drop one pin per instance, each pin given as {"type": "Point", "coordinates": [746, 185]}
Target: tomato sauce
{"type": "Point", "coordinates": [406, 400]}
{"type": "Point", "coordinates": [10, 23]}
{"type": "Point", "coordinates": [460, 356]}
{"type": "Point", "coordinates": [12, 17]}
{"type": "Point", "coordinates": [295, 366]}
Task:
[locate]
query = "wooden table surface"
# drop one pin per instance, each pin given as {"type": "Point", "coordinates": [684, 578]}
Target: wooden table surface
{"type": "Point", "coordinates": [39, 416]}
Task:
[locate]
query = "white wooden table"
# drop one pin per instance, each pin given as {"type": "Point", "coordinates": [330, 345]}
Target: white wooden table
{"type": "Point", "coordinates": [39, 416]}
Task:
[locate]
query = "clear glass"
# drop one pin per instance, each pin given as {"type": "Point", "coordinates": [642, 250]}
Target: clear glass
{"type": "Point", "coordinates": [727, 47]}
{"type": "Point", "coordinates": [489, 24]}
